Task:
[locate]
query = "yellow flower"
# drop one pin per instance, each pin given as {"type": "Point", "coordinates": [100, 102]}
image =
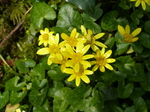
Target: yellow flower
{"type": "Point", "coordinates": [53, 49]}
{"type": "Point", "coordinates": [91, 39]}
{"type": "Point", "coordinates": [78, 75]}
{"type": "Point", "coordinates": [142, 2]}
{"type": "Point", "coordinates": [126, 33]}
{"type": "Point", "coordinates": [72, 40]}
{"type": "Point", "coordinates": [19, 110]}
{"type": "Point", "coordinates": [102, 60]}
{"type": "Point", "coordinates": [45, 37]}
{"type": "Point", "coordinates": [77, 56]}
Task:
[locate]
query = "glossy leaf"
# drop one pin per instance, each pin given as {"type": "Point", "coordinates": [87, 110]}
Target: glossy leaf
{"type": "Point", "coordinates": [4, 98]}
{"type": "Point", "coordinates": [13, 85]}
{"type": "Point", "coordinates": [38, 16]}
{"type": "Point", "coordinates": [108, 21]}
{"type": "Point", "coordinates": [144, 40]}
{"type": "Point", "coordinates": [37, 97]}
{"type": "Point", "coordinates": [68, 17]}
{"type": "Point", "coordinates": [16, 97]}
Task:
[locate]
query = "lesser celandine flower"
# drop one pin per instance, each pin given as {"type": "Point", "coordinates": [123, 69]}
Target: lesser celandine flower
{"type": "Point", "coordinates": [19, 110]}
{"type": "Point", "coordinates": [91, 39]}
{"type": "Point", "coordinates": [77, 56]}
{"type": "Point", "coordinates": [126, 33]}
{"type": "Point", "coordinates": [53, 49]}
{"type": "Point", "coordinates": [45, 36]}
{"type": "Point", "coordinates": [102, 60]}
{"type": "Point", "coordinates": [72, 40]}
{"type": "Point", "coordinates": [142, 2]}
{"type": "Point", "coordinates": [79, 75]}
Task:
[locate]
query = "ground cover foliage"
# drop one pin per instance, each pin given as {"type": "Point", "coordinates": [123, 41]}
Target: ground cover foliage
{"type": "Point", "coordinates": [76, 56]}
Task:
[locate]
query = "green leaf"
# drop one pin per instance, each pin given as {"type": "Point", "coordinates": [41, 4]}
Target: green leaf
{"type": "Point", "coordinates": [37, 97]}
{"type": "Point", "coordinates": [130, 109]}
{"type": "Point", "coordinates": [60, 102]}
{"type": "Point", "coordinates": [38, 72]}
{"type": "Point", "coordinates": [16, 97]}
{"type": "Point", "coordinates": [146, 83]}
{"type": "Point", "coordinates": [37, 84]}
{"type": "Point", "coordinates": [4, 98]}
{"type": "Point", "coordinates": [68, 17]}
{"type": "Point", "coordinates": [138, 74]}
{"type": "Point", "coordinates": [109, 21]}
{"type": "Point", "coordinates": [125, 90]}
{"type": "Point", "coordinates": [44, 108]}
{"type": "Point", "coordinates": [30, 63]}
{"type": "Point", "coordinates": [137, 47]}
{"type": "Point", "coordinates": [13, 85]}
{"type": "Point", "coordinates": [110, 42]}
{"type": "Point", "coordinates": [41, 11]}
{"type": "Point", "coordinates": [124, 4]}
{"type": "Point", "coordinates": [90, 24]}
{"type": "Point", "coordinates": [110, 93]}
{"type": "Point", "coordinates": [125, 64]}
{"type": "Point", "coordinates": [21, 66]}
{"type": "Point", "coordinates": [147, 26]}
{"type": "Point", "coordinates": [77, 97]}
{"type": "Point", "coordinates": [122, 48]}
{"type": "Point", "coordinates": [56, 74]}
{"type": "Point", "coordinates": [57, 86]}
{"type": "Point", "coordinates": [137, 92]}
{"type": "Point", "coordinates": [136, 15]}
{"type": "Point", "coordinates": [144, 39]}
{"type": "Point", "coordinates": [86, 5]}
{"type": "Point", "coordinates": [140, 105]}
{"type": "Point", "coordinates": [113, 76]}
{"type": "Point", "coordinates": [60, 30]}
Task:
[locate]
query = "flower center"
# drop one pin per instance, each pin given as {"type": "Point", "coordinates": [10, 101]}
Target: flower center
{"type": "Point", "coordinates": [128, 37]}
{"type": "Point", "coordinates": [54, 49]}
{"type": "Point", "coordinates": [77, 57]}
{"type": "Point", "coordinates": [72, 41]}
{"type": "Point", "coordinates": [101, 61]}
{"type": "Point", "coordinates": [45, 36]}
{"type": "Point", "coordinates": [80, 72]}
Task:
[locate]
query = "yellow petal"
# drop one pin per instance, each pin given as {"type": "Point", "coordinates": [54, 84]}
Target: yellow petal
{"type": "Point", "coordinates": [136, 32]}
{"type": "Point", "coordinates": [77, 80]}
{"type": "Point", "coordinates": [72, 77]}
{"type": "Point", "coordinates": [83, 30]}
{"type": "Point", "coordinates": [88, 56]}
{"type": "Point", "coordinates": [100, 44]}
{"type": "Point", "coordinates": [108, 53]}
{"type": "Point", "coordinates": [101, 52]}
{"type": "Point", "coordinates": [93, 62]}
{"type": "Point", "coordinates": [127, 29]}
{"type": "Point", "coordinates": [56, 39]}
{"type": "Point", "coordinates": [148, 2]}
{"type": "Point", "coordinates": [137, 3]}
{"type": "Point", "coordinates": [76, 67]}
{"type": "Point", "coordinates": [43, 51]}
{"type": "Point", "coordinates": [73, 33]}
{"type": "Point", "coordinates": [109, 66]}
{"type": "Point", "coordinates": [88, 72]}
{"type": "Point", "coordinates": [64, 36]}
{"type": "Point", "coordinates": [95, 68]}
{"type": "Point", "coordinates": [79, 46]}
{"type": "Point", "coordinates": [68, 71]}
{"type": "Point", "coordinates": [143, 5]}
{"type": "Point", "coordinates": [121, 30]}
{"type": "Point", "coordinates": [135, 39]}
{"type": "Point", "coordinates": [69, 49]}
{"type": "Point", "coordinates": [99, 35]}
{"type": "Point", "coordinates": [42, 32]}
{"type": "Point", "coordinates": [85, 79]}
{"type": "Point", "coordinates": [86, 64]}
{"type": "Point", "coordinates": [49, 62]}
{"type": "Point", "coordinates": [102, 68]}
{"type": "Point", "coordinates": [85, 49]}
{"type": "Point", "coordinates": [90, 32]}
{"type": "Point", "coordinates": [110, 60]}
